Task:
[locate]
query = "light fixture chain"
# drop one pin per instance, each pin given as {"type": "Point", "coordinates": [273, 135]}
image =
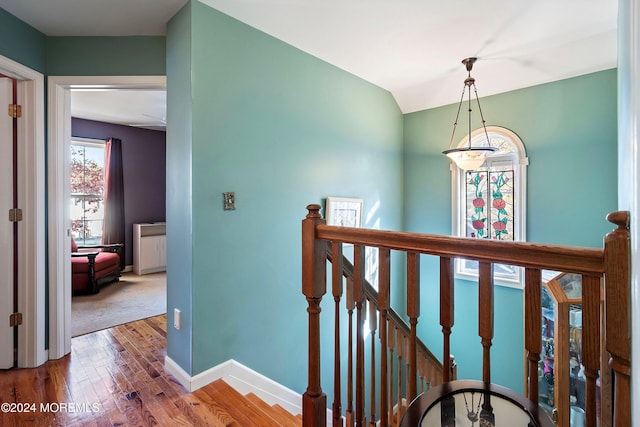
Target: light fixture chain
{"type": "Point", "coordinates": [470, 82]}
{"type": "Point", "coordinates": [455, 124]}
{"type": "Point", "coordinates": [481, 116]}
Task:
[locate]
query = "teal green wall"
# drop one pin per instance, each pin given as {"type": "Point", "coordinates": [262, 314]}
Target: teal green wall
{"type": "Point", "coordinates": [80, 56]}
{"type": "Point", "coordinates": [106, 56]}
{"type": "Point", "coordinates": [179, 187]}
{"type": "Point", "coordinates": [281, 129]}
{"type": "Point", "coordinates": [21, 42]}
{"type": "Point", "coordinates": [569, 129]}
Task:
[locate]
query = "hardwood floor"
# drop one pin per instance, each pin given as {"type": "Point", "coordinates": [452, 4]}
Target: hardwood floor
{"type": "Point", "coordinates": [116, 377]}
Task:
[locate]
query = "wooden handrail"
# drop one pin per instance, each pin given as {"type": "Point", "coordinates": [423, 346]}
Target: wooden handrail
{"type": "Point", "coordinates": [522, 254]}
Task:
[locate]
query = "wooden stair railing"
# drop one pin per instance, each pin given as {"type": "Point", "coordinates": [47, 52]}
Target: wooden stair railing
{"type": "Point", "coordinates": [394, 336]}
{"type": "Point", "coordinates": [610, 266]}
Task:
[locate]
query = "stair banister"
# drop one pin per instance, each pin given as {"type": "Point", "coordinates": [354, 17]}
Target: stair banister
{"type": "Point", "coordinates": [314, 400]}
{"type": "Point", "coordinates": [618, 314]}
{"type": "Point", "coordinates": [611, 264]}
{"type": "Point", "coordinates": [446, 313]}
{"type": "Point", "coordinates": [532, 326]}
{"type": "Point", "coordinates": [337, 288]}
{"type": "Point", "coordinates": [384, 290]}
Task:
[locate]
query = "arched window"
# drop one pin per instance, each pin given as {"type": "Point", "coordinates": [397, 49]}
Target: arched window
{"type": "Point", "coordinates": [490, 202]}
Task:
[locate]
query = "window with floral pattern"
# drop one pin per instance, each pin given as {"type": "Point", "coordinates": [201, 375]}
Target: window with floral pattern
{"type": "Point", "coordinates": [489, 203]}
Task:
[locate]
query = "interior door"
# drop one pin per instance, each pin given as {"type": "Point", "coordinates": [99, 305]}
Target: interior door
{"type": "Point", "coordinates": [6, 227]}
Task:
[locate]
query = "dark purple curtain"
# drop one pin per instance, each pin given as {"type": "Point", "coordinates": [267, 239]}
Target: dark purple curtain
{"type": "Point", "coordinates": [114, 196]}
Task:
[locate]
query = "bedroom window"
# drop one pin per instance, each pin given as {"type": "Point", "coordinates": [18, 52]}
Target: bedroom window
{"type": "Point", "coordinates": [489, 203]}
{"type": "Point", "coordinates": [87, 190]}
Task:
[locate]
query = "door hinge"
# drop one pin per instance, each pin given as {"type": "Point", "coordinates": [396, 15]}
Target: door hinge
{"type": "Point", "coordinates": [15, 111]}
{"type": "Point", "coordinates": [15, 215]}
{"type": "Point", "coordinates": [15, 319]}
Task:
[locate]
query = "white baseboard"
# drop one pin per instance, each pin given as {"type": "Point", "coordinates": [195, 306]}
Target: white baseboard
{"type": "Point", "coordinates": [180, 374]}
{"type": "Point", "coordinates": [241, 378]}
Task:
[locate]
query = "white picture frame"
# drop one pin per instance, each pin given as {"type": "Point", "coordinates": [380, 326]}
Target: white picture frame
{"type": "Point", "coordinates": [344, 211]}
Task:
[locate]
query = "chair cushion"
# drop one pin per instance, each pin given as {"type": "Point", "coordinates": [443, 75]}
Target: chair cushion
{"type": "Point", "coordinates": [74, 246]}
{"type": "Point", "coordinates": [105, 262]}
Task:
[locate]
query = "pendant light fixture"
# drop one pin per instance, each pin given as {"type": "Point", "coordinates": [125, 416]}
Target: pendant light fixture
{"type": "Point", "coordinates": [468, 157]}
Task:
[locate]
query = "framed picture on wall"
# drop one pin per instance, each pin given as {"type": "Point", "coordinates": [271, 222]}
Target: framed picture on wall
{"type": "Point", "coordinates": [344, 211]}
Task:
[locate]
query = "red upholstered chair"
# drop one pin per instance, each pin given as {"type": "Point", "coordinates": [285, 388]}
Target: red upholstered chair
{"type": "Point", "coordinates": [92, 269]}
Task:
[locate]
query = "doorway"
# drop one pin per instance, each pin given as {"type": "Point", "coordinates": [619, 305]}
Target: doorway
{"type": "Point", "coordinates": [59, 220]}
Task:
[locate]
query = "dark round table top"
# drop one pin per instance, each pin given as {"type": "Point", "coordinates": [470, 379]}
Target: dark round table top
{"type": "Point", "coordinates": [473, 403]}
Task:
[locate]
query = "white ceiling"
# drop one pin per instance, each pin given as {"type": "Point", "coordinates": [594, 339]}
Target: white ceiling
{"type": "Point", "coordinates": [412, 48]}
{"type": "Point", "coordinates": [144, 108]}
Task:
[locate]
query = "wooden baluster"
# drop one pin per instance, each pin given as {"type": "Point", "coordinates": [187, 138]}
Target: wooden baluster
{"type": "Point", "coordinates": [427, 372]}
{"type": "Point", "coordinates": [485, 329]}
{"type": "Point", "coordinates": [399, 352]}
{"type": "Point", "coordinates": [606, 377]}
{"type": "Point", "coordinates": [591, 342]}
{"type": "Point", "coordinates": [618, 313]}
{"type": "Point", "coordinates": [532, 330]}
{"type": "Point", "coordinates": [350, 307]}
{"type": "Point", "coordinates": [384, 283]}
{"type": "Point", "coordinates": [413, 311]}
{"type": "Point", "coordinates": [446, 313]}
{"type": "Point", "coordinates": [373, 326]}
{"type": "Point", "coordinates": [561, 372]}
{"type": "Point", "coordinates": [407, 372]}
{"type": "Point", "coordinates": [336, 278]}
{"type": "Point", "coordinates": [391, 341]}
{"type": "Point", "coordinates": [435, 376]}
{"type": "Point", "coordinates": [408, 367]}
{"type": "Point", "coordinates": [358, 294]}
{"type": "Point", "coordinates": [422, 373]}
{"type": "Point", "coordinates": [314, 286]}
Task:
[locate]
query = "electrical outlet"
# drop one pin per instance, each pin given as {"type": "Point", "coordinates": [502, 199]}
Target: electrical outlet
{"type": "Point", "coordinates": [177, 318]}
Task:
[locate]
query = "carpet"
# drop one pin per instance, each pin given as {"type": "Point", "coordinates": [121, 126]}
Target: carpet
{"type": "Point", "coordinates": [132, 298]}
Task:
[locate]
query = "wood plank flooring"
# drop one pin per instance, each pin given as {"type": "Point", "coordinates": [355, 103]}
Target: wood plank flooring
{"type": "Point", "coordinates": [116, 377]}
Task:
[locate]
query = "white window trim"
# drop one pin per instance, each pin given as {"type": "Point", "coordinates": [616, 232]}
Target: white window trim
{"type": "Point", "coordinates": [89, 142]}
{"type": "Point", "coordinates": [520, 162]}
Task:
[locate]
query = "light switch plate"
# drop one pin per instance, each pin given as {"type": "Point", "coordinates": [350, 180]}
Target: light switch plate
{"type": "Point", "coordinates": [229, 201]}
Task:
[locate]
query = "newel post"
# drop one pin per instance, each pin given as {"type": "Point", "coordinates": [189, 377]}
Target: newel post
{"type": "Point", "coordinates": [314, 286]}
{"type": "Point", "coordinates": [618, 313]}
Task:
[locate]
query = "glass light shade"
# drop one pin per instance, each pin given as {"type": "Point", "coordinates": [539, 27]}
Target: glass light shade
{"type": "Point", "coordinates": [469, 158]}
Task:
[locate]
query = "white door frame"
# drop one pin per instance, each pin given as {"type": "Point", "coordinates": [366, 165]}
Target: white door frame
{"type": "Point", "coordinates": [6, 227]}
{"type": "Point", "coordinates": [31, 197]}
{"type": "Point", "coordinates": [59, 216]}
{"type": "Point", "coordinates": [629, 165]}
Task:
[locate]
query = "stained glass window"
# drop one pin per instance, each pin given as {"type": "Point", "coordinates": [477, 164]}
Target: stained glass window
{"type": "Point", "coordinates": [489, 203]}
